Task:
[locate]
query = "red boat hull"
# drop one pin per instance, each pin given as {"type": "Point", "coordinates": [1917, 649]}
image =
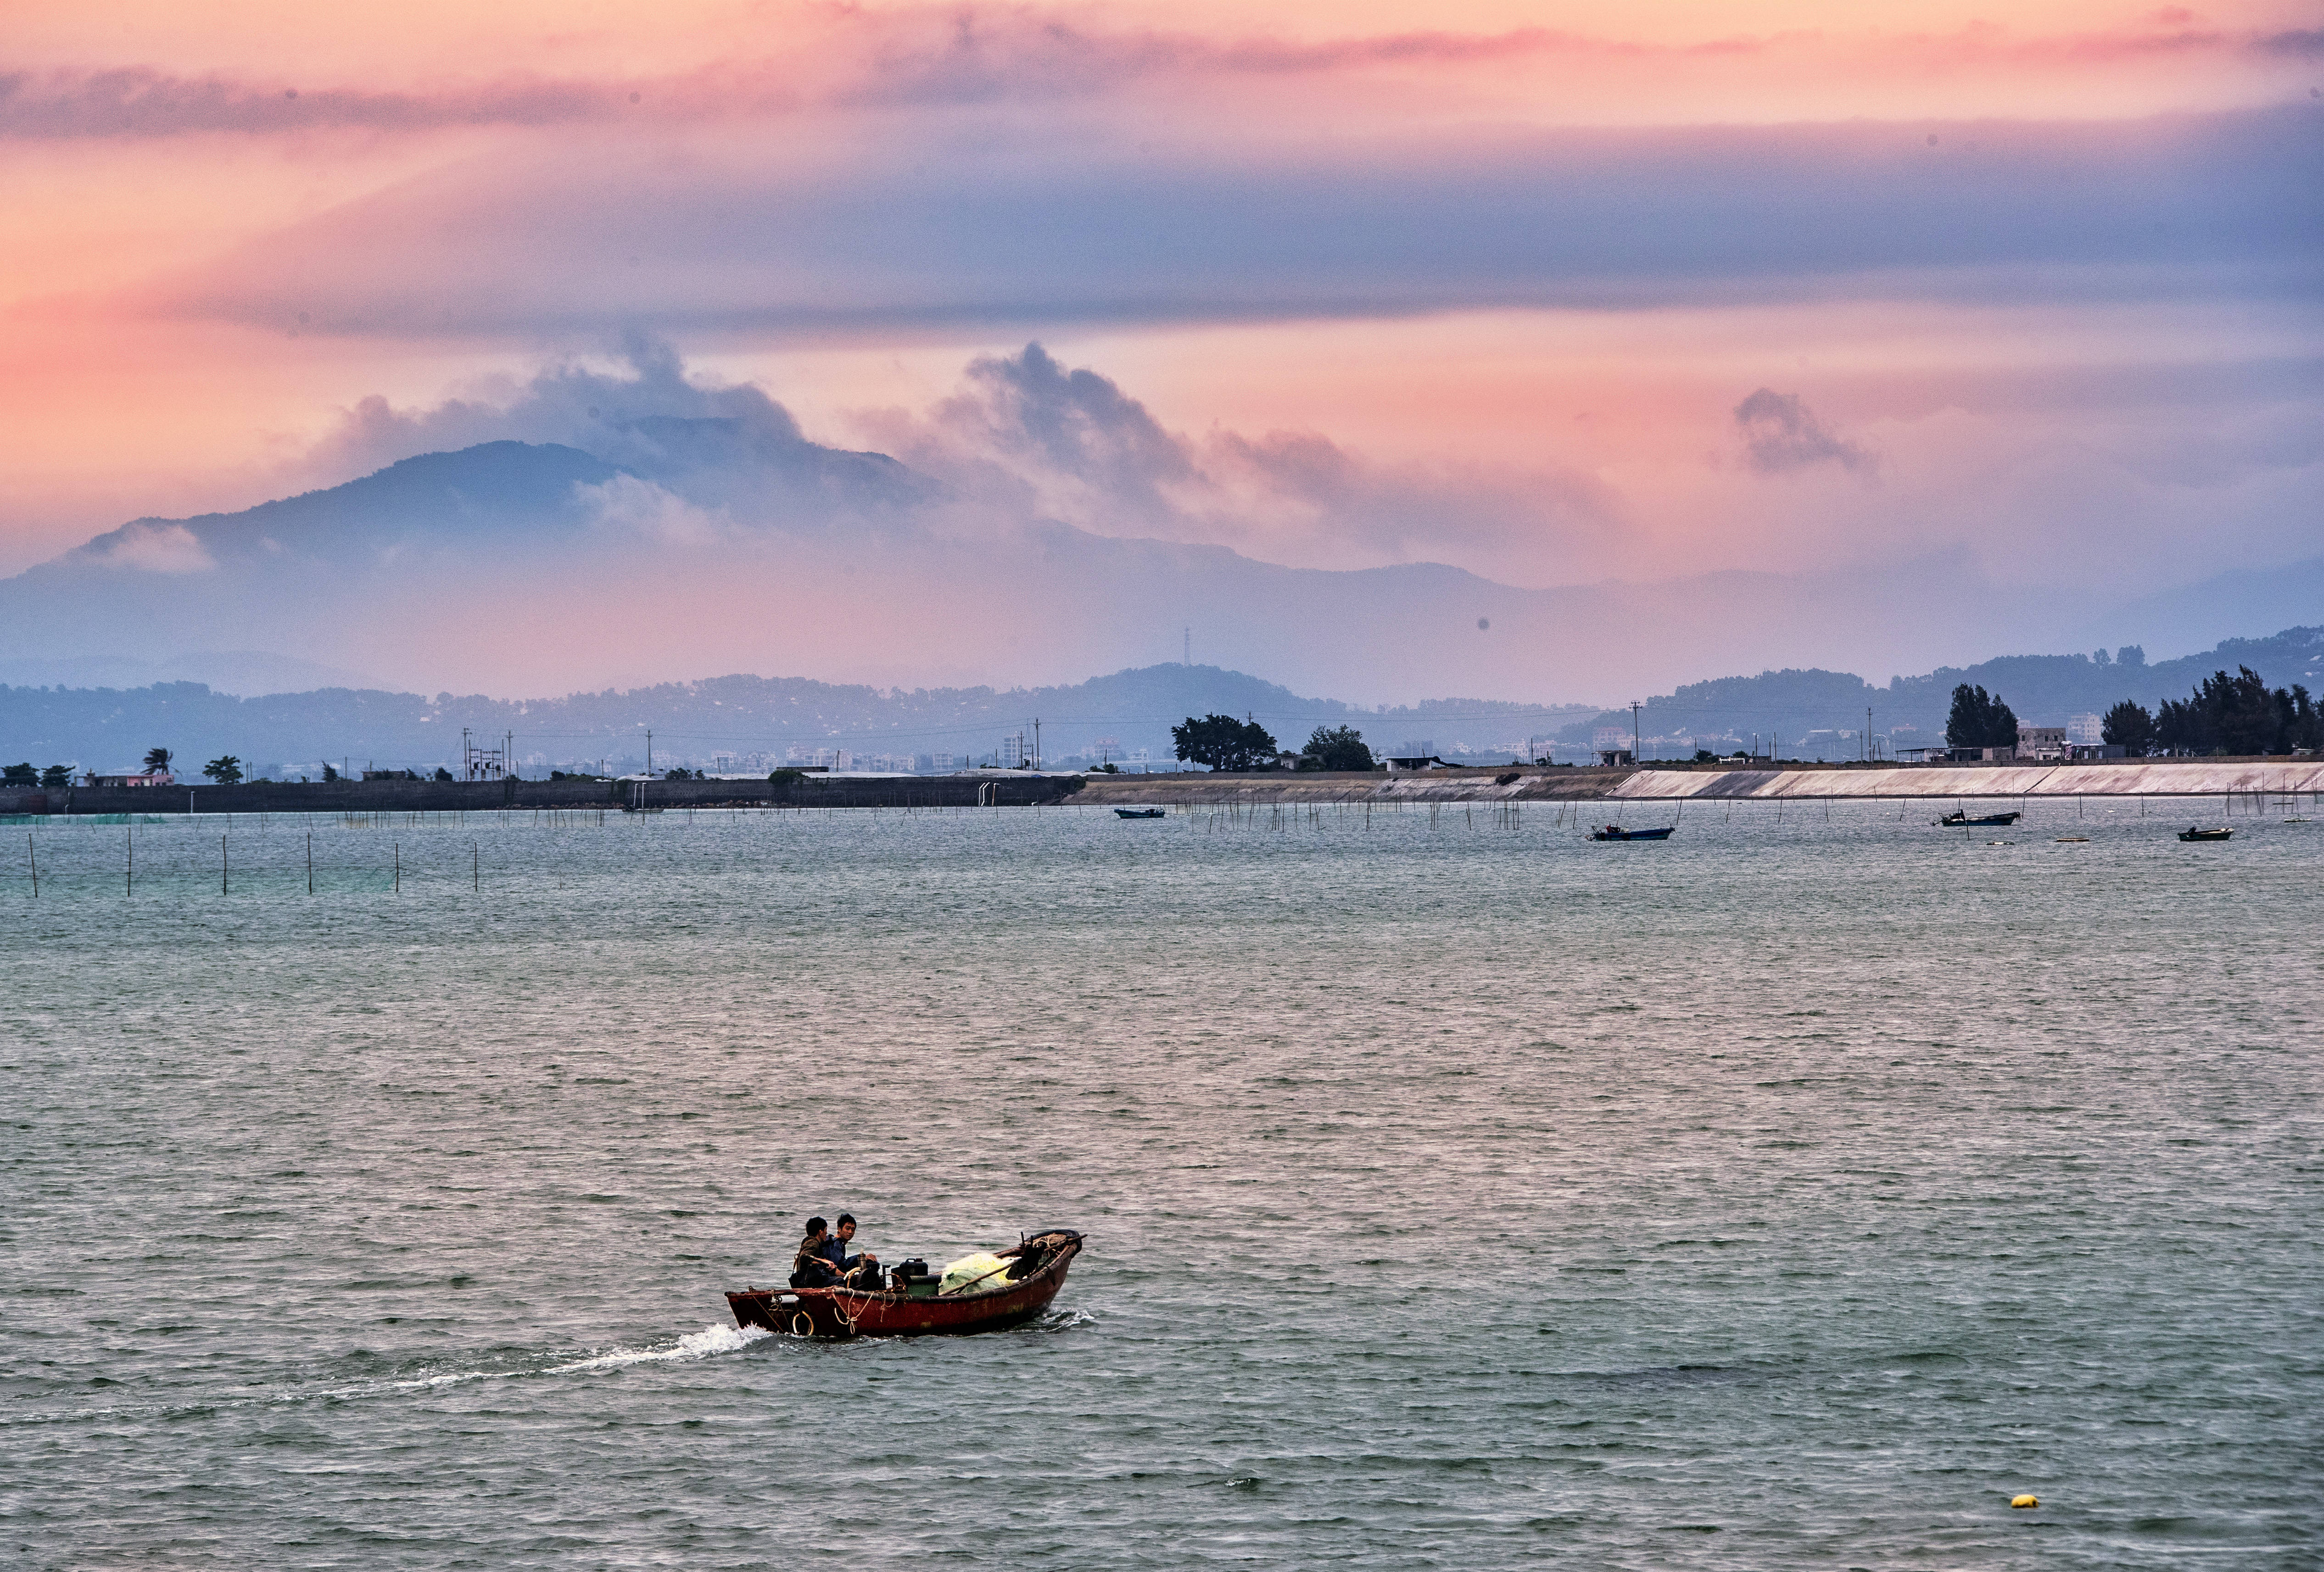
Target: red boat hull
{"type": "Point", "coordinates": [846, 1312]}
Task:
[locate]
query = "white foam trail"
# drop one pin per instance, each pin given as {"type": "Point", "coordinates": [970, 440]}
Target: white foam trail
{"type": "Point", "coordinates": [701, 1344]}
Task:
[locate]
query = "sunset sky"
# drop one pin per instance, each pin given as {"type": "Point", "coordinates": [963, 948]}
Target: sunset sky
{"type": "Point", "coordinates": [1556, 294]}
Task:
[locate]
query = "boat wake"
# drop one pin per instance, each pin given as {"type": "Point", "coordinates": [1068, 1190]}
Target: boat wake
{"type": "Point", "coordinates": [709, 1343]}
{"type": "Point", "coordinates": [702, 1345]}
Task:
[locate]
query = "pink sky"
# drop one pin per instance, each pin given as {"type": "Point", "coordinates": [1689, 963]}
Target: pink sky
{"type": "Point", "coordinates": [1556, 294]}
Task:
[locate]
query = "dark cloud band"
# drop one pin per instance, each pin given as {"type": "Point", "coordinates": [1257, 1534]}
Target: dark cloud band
{"type": "Point", "coordinates": [995, 234]}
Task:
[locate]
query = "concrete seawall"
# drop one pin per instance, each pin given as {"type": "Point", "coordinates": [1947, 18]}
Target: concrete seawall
{"type": "Point", "coordinates": [2139, 777]}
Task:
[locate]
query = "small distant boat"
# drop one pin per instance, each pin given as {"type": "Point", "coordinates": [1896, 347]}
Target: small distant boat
{"type": "Point", "coordinates": [2193, 834]}
{"type": "Point", "coordinates": [1140, 813]}
{"type": "Point", "coordinates": [1010, 1298]}
{"type": "Point", "coordinates": [1615, 832]}
{"type": "Point", "coordinates": [1959, 817]}
{"type": "Point", "coordinates": [2073, 840]}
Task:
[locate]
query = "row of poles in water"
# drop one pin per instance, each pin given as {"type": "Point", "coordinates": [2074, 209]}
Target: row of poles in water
{"type": "Point", "coordinates": [225, 864]}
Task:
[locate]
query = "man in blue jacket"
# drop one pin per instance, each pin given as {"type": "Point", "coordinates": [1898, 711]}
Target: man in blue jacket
{"type": "Point", "coordinates": [851, 1268]}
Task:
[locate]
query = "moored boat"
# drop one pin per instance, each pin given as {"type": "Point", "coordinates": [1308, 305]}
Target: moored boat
{"type": "Point", "coordinates": [1615, 832]}
{"type": "Point", "coordinates": [1137, 813]}
{"type": "Point", "coordinates": [1011, 1296]}
{"type": "Point", "coordinates": [1960, 817]}
{"type": "Point", "coordinates": [2193, 833]}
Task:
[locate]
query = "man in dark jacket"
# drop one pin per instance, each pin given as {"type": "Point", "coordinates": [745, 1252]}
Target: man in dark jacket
{"type": "Point", "coordinates": [814, 1266]}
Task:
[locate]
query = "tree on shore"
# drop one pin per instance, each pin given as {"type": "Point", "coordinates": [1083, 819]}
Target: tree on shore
{"type": "Point", "coordinates": [57, 775]}
{"type": "Point", "coordinates": [2129, 724]}
{"type": "Point", "coordinates": [158, 760]}
{"type": "Point", "coordinates": [1224, 742]}
{"type": "Point", "coordinates": [1980, 719]}
{"type": "Point", "coordinates": [1335, 747]}
{"type": "Point", "coordinates": [20, 775]}
{"type": "Point", "coordinates": [225, 771]}
{"type": "Point", "coordinates": [2239, 714]}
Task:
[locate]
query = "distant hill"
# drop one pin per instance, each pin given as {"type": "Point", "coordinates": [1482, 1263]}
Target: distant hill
{"type": "Point", "coordinates": [1822, 713]}
{"type": "Point", "coordinates": [729, 721]}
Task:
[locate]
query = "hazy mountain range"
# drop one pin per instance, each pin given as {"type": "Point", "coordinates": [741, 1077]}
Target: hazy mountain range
{"type": "Point", "coordinates": [749, 722]}
{"type": "Point", "coordinates": [622, 544]}
{"type": "Point", "coordinates": [734, 723]}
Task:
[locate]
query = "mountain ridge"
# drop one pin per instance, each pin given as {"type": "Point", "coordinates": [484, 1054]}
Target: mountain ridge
{"type": "Point", "coordinates": [753, 722]}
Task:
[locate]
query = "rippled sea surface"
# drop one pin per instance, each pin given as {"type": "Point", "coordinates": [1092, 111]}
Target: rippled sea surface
{"type": "Point", "coordinates": [1459, 1193]}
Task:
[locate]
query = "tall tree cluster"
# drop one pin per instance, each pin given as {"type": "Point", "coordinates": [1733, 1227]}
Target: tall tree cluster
{"type": "Point", "coordinates": [1224, 742]}
{"type": "Point", "coordinates": [1980, 719]}
{"type": "Point", "coordinates": [2238, 714]}
{"type": "Point", "coordinates": [2129, 724]}
{"type": "Point", "coordinates": [1335, 747]}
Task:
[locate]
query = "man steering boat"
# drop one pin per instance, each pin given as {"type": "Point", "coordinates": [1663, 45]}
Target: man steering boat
{"type": "Point", "coordinates": [822, 1261]}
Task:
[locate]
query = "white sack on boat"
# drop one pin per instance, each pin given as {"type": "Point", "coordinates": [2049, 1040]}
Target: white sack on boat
{"type": "Point", "coordinates": [969, 1268]}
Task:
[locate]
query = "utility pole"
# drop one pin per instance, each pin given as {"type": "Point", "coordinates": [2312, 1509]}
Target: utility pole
{"type": "Point", "coordinates": [649, 752]}
{"type": "Point", "coordinates": [1868, 733]}
{"type": "Point", "coordinates": [1635, 748]}
{"type": "Point", "coordinates": [1036, 742]}
{"type": "Point", "coordinates": [1188, 657]}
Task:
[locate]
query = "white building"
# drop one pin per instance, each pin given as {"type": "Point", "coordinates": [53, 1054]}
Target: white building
{"type": "Point", "coordinates": [2085, 728]}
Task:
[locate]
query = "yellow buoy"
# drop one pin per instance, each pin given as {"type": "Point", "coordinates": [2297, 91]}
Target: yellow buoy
{"type": "Point", "coordinates": [2024, 1501]}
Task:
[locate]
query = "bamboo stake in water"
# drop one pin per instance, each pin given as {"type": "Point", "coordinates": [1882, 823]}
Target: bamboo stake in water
{"type": "Point", "coordinates": [399, 867]}
{"type": "Point", "coordinates": [32, 858]}
{"type": "Point", "coordinates": [221, 865]}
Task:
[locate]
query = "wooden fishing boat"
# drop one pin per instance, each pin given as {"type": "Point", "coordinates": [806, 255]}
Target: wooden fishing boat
{"type": "Point", "coordinates": [1138, 813]}
{"type": "Point", "coordinates": [1615, 832]}
{"type": "Point", "coordinates": [1004, 1301]}
{"type": "Point", "coordinates": [2193, 834]}
{"type": "Point", "coordinates": [1960, 817]}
